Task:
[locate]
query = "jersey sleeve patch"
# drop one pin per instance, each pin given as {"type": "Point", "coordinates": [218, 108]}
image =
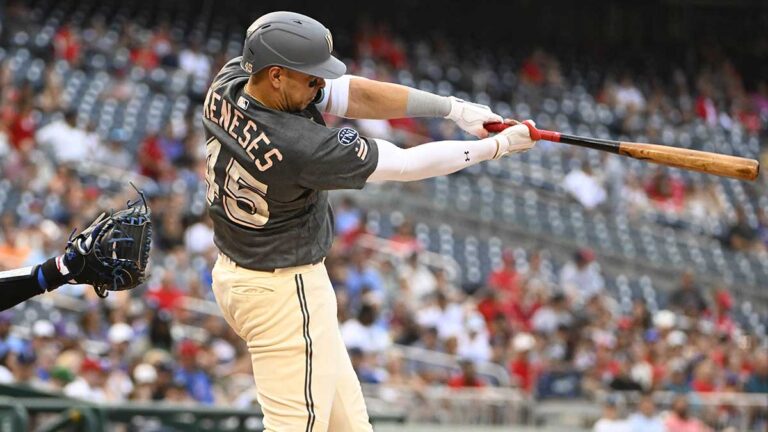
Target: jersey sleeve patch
{"type": "Point", "coordinates": [347, 136]}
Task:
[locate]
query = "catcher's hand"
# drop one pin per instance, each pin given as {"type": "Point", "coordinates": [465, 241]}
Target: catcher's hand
{"type": "Point", "coordinates": [112, 253]}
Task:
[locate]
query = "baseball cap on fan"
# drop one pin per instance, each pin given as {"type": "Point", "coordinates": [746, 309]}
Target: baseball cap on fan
{"type": "Point", "coordinates": [293, 41]}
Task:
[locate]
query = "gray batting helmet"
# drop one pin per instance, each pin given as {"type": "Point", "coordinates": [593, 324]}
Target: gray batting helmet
{"type": "Point", "coordinates": [293, 41]}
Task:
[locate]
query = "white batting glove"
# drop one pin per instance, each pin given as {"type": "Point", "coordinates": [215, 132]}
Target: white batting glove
{"type": "Point", "coordinates": [515, 139]}
{"type": "Point", "coordinates": [471, 116]}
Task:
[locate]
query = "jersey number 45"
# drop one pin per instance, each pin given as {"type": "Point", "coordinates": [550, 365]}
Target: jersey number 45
{"type": "Point", "coordinates": [244, 196]}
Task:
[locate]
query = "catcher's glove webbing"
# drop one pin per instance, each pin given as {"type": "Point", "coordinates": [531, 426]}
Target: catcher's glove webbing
{"type": "Point", "coordinates": [112, 253]}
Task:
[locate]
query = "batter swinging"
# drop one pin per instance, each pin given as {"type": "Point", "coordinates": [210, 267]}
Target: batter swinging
{"type": "Point", "coordinates": [270, 162]}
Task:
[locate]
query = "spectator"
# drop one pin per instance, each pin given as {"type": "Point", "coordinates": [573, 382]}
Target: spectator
{"type": "Point", "coordinates": [680, 420]}
{"type": "Point", "coordinates": [443, 314]}
{"type": "Point", "coordinates": [68, 143]}
{"type": "Point", "coordinates": [741, 235]}
{"type": "Point", "coordinates": [467, 378]}
{"type": "Point", "coordinates": [347, 216]}
{"type": "Point", "coordinates": [198, 238]}
{"type": "Point", "coordinates": [361, 277]}
{"type": "Point", "coordinates": [113, 153]}
{"type": "Point", "coordinates": [364, 333]}
{"type": "Point", "coordinates": [145, 377]}
{"type": "Point", "coordinates": [473, 341]}
{"type": "Point", "coordinates": [583, 186]}
{"type": "Point", "coordinates": [196, 380]}
{"type": "Point", "coordinates": [628, 96]}
{"type": "Point", "coordinates": [552, 316]}
{"type": "Point", "coordinates": [521, 366]}
{"type": "Point", "coordinates": [505, 280]}
{"type": "Point", "coordinates": [89, 383]}
{"type": "Point", "coordinates": [404, 241]}
{"type": "Point", "coordinates": [646, 419]}
{"type": "Point", "coordinates": [580, 278]}
{"type": "Point", "coordinates": [419, 280]}
{"type": "Point", "coordinates": [622, 381]}
{"type": "Point", "coordinates": [665, 192]}
{"type": "Point", "coordinates": [193, 61]}
{"type": "Point", "coordinates": [758, 379]}
{"type": "Point", "coordinates": [611, 421]}
{"type": "Point", "coordinates": [361, 365]}
{"type": "Point", "coordinates": [687, 299]}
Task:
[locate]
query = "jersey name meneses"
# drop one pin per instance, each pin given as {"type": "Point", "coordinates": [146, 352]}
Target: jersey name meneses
{"type": "Point", "coordinates": [267, 173]}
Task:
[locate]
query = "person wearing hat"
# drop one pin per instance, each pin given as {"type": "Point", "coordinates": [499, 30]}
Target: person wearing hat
{"type": "Point", "coordinates": [197, 381]}
{"type": "Point", "coordinates": [89, 383]}
{"type": "Point", "coordinates": [271, 161]}
{"type": "Point", "coordinates": [611, 420]}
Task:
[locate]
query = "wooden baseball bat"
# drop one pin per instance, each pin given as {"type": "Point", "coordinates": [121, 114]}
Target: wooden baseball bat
{"type": "Point", "coordinates": [701, 161]}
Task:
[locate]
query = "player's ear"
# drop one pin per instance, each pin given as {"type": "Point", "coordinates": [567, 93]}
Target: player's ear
{"type": "Point", "coordinates": [276, 76]}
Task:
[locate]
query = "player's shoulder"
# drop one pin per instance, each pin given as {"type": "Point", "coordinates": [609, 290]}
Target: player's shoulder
{"type": "Point", "coordinates": [229, 72]}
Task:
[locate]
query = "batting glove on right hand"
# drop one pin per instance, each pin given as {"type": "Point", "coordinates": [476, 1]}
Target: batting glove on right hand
{"type": "Point", "coordinates": [516, 139]}
{"type": "Point", "coordinates": [471, 116]}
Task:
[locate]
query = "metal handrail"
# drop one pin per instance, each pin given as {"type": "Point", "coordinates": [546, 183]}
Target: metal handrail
{"type": "Point", "coordinates": [449, 361]}
{"type": "Point", "coordinates": [432, 259]}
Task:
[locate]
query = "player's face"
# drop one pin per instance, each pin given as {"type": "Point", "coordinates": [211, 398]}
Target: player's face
{"type": "Point", "coordinates": [301, 89]}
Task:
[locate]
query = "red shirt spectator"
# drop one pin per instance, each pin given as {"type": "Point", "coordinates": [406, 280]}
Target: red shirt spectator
{"type": "Point", "coordinates": [506, 280]}
{"type": "Point", "coordinates": [66, 45]}
{"type": "Point", "coordinates": [144, 57]}
{"type": "Point", "coordinates": [468, 377]}
{"type": "Point", "coordinates": [21, 129]}
{"type": "Point", "coordinates": [666, 192]}
{"type": "Point", "coordinates": [167, 295]}
{"type": "Point", "coordinates": [152, 161]}
{"type": "Point", "coordinates": [404, 240]}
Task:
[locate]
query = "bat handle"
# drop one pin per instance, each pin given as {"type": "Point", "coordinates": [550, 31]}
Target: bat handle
{"type": "Point", "coordinates": [536, 134]}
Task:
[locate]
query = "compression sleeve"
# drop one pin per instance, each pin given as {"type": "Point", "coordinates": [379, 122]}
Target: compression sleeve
{"type": "Point", "coordinates": [429, 160]}
{"type": "Point", "coordinates": [335, 98]}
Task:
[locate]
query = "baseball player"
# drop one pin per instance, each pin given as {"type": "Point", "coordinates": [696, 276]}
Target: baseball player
{"type": "Point", "coordinates": [270, 162]}
{"type": "Point", "coordinates": [111, 254]}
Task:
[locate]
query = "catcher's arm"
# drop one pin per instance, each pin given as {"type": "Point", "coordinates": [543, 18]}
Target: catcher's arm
{"type": "Point", "coordinates": [111, 254]}
{"type": "Point", "coordinates": [21, 284]}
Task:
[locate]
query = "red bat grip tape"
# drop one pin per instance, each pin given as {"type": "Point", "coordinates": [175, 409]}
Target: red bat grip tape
{"type": "Point", "coordinates": [536, 134]}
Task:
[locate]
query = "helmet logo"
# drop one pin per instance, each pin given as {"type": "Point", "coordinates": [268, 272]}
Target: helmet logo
{"type": "Point", "coordinates": [329, 39]}
{"type": "Point", "coordinates": [248, 67]}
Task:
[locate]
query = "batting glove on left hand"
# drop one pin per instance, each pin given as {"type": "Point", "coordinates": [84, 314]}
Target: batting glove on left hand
{"type": "Point", "coordinates": [516, 139]}
{"type": "Point", "coordinates": [471, 116]}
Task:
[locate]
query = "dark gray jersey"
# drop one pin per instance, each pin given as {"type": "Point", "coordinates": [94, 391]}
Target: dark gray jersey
{"type": "Point", "coordinates": [268, 172]}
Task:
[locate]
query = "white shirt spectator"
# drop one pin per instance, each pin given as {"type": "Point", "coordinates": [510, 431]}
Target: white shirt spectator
{"type": "Point", "coordinates": [195, 63]}
{"type": "Point", "coordinates": [448, 321]}
{"type": "Point", "coordinates": [473, 343]}
{"type": "Point", "coordinates": [80, 389]}
{"type": "Point", "coordinates": [637, 422]}
{"type": "Point", "coordinates": [113, 154]}
{"type": "Point", "coordinates": [628, 95]}
{"type": "Point", "coordinates": [608, 425]}
{"type": "Point", "coordinates": [371, 339]}
{"type": "Point", "coordinates": [584, 188]}
{"type": "Point", "coordinates": [421, 282]}
{"type": "Point", "coordinates": [68, 143]}
{"type": "Point", "coordinates": [199, 238]}
{"type": "Point", "coordinates": [581, 283]}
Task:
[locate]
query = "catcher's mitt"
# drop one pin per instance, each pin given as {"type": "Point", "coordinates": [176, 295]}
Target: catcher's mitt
{"type": "Point", "coordinates": [112, 253]}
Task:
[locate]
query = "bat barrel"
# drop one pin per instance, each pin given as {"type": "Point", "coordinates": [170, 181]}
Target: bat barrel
{"type": "Point", "coordinates": [705, 162]}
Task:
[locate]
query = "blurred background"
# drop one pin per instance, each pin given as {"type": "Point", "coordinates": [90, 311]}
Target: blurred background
{"type": "Point", "coordinates": [561, 289]}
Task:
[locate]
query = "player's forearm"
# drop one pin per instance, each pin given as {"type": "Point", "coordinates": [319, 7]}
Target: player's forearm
{"type": "Point", "coordinates": [381, 100]}
{"type": "Point", "coordinates": [432, 159]}
{"type": "Point", "coordinates": [17, 286]}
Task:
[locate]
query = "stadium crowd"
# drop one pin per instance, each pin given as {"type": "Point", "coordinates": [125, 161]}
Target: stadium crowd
{"type": "Point", "coordinates": [151, 345]}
